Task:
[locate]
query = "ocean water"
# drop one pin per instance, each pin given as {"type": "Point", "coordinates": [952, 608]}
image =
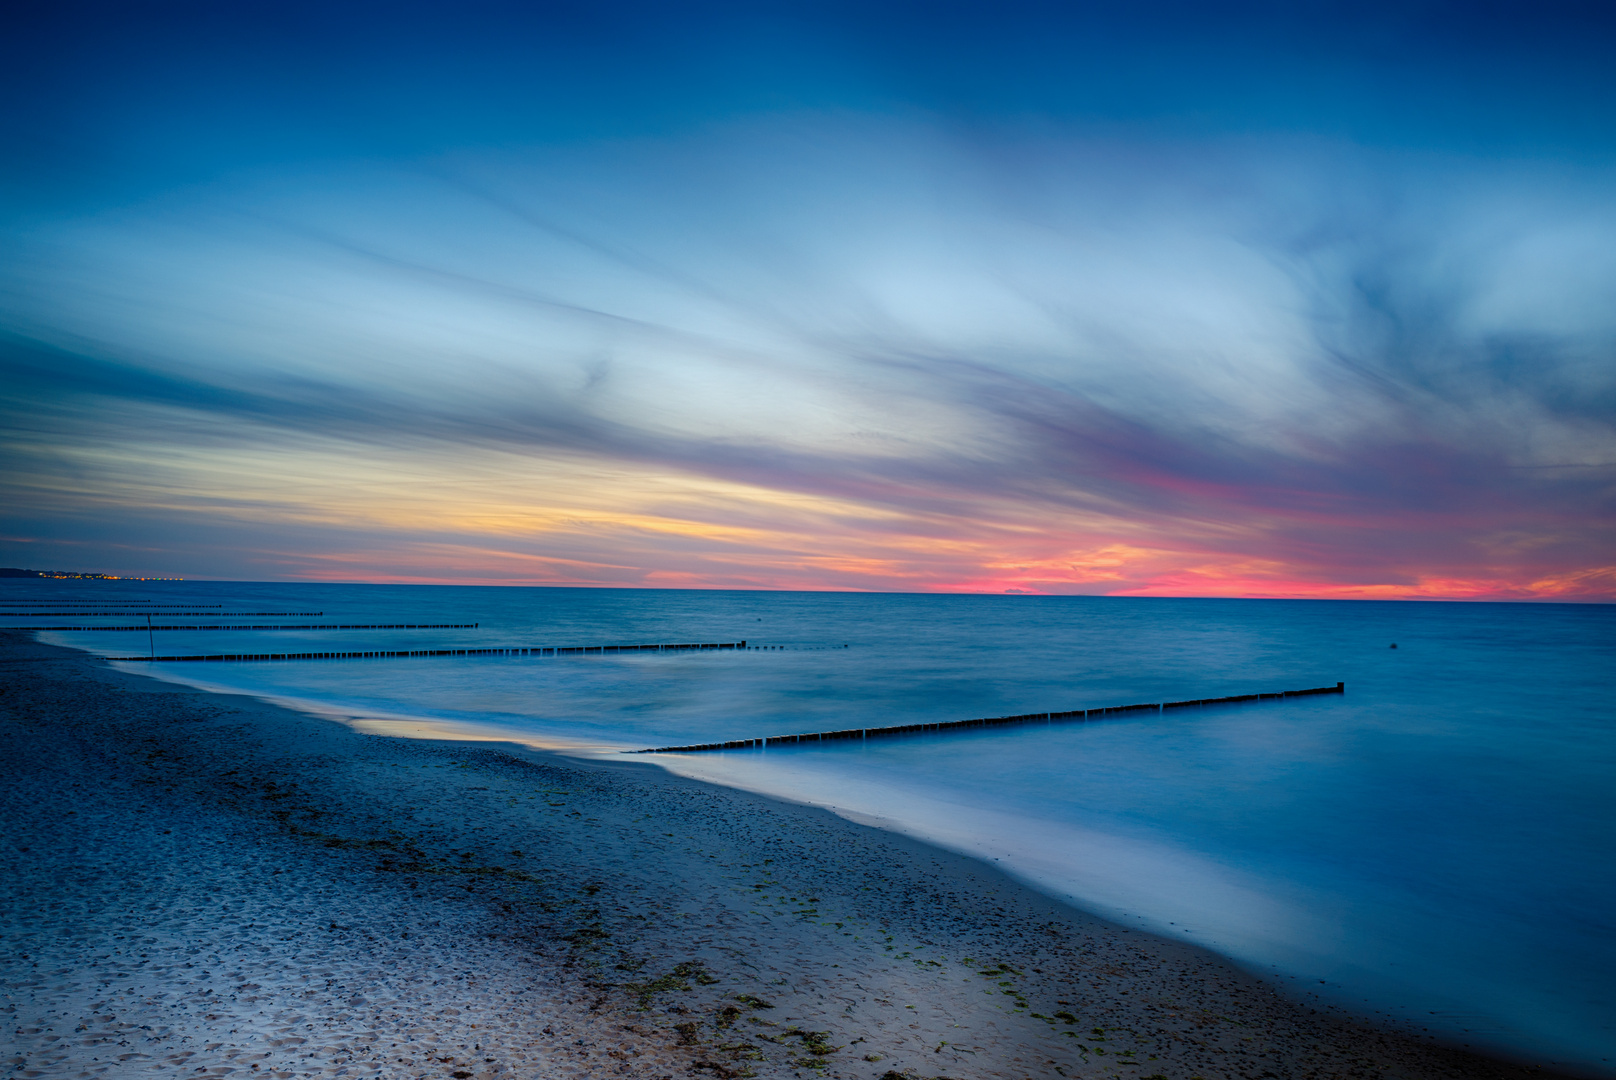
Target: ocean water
{"type": "Point", "coordinates": [1436, 847]}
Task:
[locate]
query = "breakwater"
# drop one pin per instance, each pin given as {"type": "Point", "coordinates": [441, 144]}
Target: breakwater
{"type": "Point", "coordinates": [990, 721]}
{"type": "Point", "coordinates": [389, 654]}
{"type": "Point", "coordinates": [303, 626]}
{"type": "Point", "coordinates": [139, 607]}
{"type": "Point", "coordinates": [167, 614]}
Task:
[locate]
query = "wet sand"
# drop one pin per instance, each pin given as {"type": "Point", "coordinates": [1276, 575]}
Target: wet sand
{"type": "Point", "coordinates": [211, 885]}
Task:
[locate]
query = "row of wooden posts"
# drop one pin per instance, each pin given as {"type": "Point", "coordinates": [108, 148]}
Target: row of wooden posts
{"type": "Point", "coordinates": [537, 650]}
{"type": "Point", "coordinates": [992, 721]}
{"type": "Point", "coordinates": [140, 606]}
{"type": "Point", "coordinates": [309, 626]}
{"type": "Point", "coordinates": [158, 614]}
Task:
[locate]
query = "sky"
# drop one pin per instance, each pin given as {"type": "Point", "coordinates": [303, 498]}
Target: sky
{"type": "Point", "coordinates": [1289, 299]}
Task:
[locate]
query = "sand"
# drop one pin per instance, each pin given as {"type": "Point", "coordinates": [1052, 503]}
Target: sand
{"type": "Point", "coordinates": [204, 885]}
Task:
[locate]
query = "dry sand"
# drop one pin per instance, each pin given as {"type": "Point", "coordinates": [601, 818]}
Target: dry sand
{"type": "Point", "coordinates": [202, 884]}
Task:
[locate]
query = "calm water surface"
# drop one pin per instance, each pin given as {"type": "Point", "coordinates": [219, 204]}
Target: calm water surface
{"type": "Point", "coordinates": [1436, 846]}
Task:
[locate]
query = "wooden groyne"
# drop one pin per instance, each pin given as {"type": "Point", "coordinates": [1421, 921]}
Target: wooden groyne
{"type": "Point", "coordinates": [991, 721]}
{"type": "Point", "coordinates": [305, 626]}
{"type": "Point", "coordinates": [107, 609]}
{"type": "Point", "coordinates": [387, 654]}
{"type": "Point", "coordinates": [164, 614]}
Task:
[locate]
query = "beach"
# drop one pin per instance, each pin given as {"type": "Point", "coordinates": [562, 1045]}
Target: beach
{"type": "Point", "coordinates": [208, 884]}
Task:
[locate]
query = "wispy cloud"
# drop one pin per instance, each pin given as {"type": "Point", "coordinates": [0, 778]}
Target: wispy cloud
{"type": "Point", "coordinates": [835, 351]}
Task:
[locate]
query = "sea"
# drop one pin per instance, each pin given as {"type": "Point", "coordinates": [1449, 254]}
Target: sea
{"type": "Point", "coordinates": [1434, 848]}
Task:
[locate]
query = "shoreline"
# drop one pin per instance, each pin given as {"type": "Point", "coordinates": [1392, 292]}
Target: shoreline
{"type": "Point", "coordinates": [361, 904]}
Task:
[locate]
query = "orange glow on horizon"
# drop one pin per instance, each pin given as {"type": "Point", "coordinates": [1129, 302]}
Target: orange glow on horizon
{"type": "Point", "coordinates": [1238, 579]}
{"type": "Point", "coordinates": [329, 511]}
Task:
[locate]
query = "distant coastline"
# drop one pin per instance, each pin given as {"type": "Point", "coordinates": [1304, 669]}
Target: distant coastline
{"type": "Point", "coordinates": [19, 572]}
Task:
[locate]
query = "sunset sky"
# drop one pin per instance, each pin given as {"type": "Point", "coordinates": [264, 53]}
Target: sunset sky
{"type": "Point", "coordinates": [1226, 300]}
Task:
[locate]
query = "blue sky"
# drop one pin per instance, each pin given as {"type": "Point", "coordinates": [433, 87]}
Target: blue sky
{"type": "Point", "coordinates": [1246, 300]}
